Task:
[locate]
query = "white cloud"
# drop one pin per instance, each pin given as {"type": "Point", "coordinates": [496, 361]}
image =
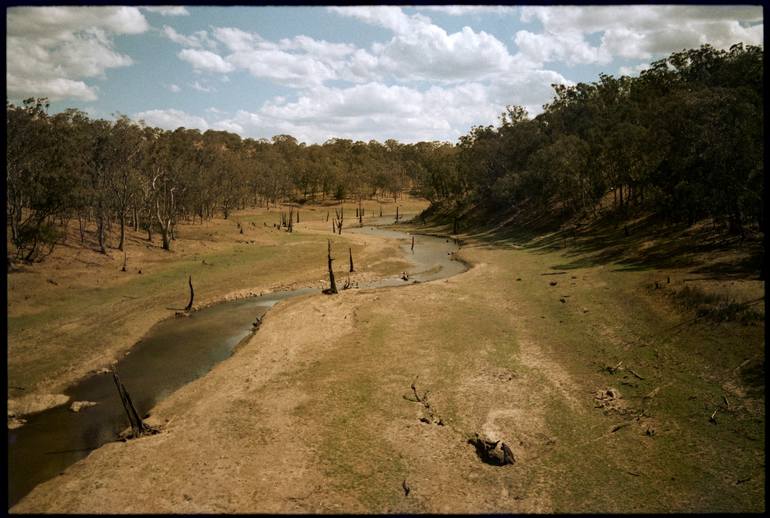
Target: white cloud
{"type": "Point", "coordinates": [300, 61]}
{"type": "Point", "coordinates": [204, 60]}
{"type": "Point", "coordinates": [569, 47]}
{"type": "Point", "coordinates": [171, 119]}
{"type": "Point", "coordinates": [49, 50]}
{"type": "Point", "coordinates": [465, 10]}
{"type": "Point", "coordinates": [632, 71]}
{"type": "Point", "coordinates": [174, 88]}
{"type": "Point", "coordinates": [55, 89]}
{"type": "Point", "coordinates": [422, 50]}
{"type": "Point", "coordinates": [389, 17]}
{"type": "Point", "coordinates": [375, 111]}
{"type": "Point", "coordinates": [236, 39]}
{"type": "Point", "coordinates": [201, 88]}
{"type": "Point", "coordinates": [198, 39]}
{"type": "Point", "coordinates": [282, 67]}
{"type": "Point", "coordinates": [418, 51]}
{"type": "Point", "coordinates": [230, 126]}
{"type": "Point", "coordinates": [59, 22]}
{"type": "Point", "coordinates": [634, 31]}
{"type": "Point", "coordinates": [168, 10]}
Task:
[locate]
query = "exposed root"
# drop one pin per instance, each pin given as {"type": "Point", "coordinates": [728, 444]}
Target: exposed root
{"type": "Point", "coordinates": [432, 416]}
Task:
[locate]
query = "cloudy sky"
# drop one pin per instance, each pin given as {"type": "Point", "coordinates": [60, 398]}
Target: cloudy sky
{"type": "Point", "coordinates": [425, 73]}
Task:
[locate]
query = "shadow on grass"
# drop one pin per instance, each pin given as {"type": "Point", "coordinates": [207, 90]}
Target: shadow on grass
{"type": "Point", "coordinates": [645, 243]}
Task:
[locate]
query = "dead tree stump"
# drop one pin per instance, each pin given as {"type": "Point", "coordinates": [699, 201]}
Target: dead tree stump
{"type": "Point", "coordinates": [192, 295]}
{"type": "Point", "coordinates": [138, 427]}
{"type": "Point", "coordinates": [332, 285]}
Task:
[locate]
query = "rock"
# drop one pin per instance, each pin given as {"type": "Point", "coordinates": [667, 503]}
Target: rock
{"type": "Point", "coordinates": [77, 406]}
{"type": "Point", "coordinates": [15, 422]}
{"type": "Point", "coordinates": [496, 453]}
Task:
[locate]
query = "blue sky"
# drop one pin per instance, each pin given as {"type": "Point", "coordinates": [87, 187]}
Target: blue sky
{"type": "Point", "coordinates": [376, 72]}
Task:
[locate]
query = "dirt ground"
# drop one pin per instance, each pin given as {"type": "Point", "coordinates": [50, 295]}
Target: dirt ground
{"type": "Point", "coordinates": [603, 388]}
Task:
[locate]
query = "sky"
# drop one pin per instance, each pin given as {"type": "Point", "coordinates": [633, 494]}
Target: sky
{"type": "Point", "coordinates": [360, 72]}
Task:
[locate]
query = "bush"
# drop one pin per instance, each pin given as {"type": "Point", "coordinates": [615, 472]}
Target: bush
{"type": "Point", "coordinates": [35, 241]}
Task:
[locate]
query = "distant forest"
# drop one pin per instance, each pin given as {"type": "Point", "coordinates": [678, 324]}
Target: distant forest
{"type": "Point", "coordinates": [684, 140]}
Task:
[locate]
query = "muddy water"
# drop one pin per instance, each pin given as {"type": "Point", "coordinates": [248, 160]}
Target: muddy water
{"type": "Point", "coordinates": [173, 353]}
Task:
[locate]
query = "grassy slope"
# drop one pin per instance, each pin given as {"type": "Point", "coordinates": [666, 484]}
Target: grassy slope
{"type": "Point", "coordinates": [310, 417]}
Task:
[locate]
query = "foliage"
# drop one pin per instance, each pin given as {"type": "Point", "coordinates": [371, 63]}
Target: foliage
{"type": "Point", "coordinates": [685, 140]}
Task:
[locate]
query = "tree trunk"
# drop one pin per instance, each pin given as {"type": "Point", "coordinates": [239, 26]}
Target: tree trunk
{"type": "Point", "coordinates": [14, 228]}
{"type": "Point", "coordinates": [81, 227]}
{"type": "Point", "coordinates": [164, 231]}
{"type": "Point", "coordinates": [122, 230]}
{"type": "Point", "coordinates": [350, 251]}
{"type": "Point", "coordinates": [100, 232]}
{"type": "Point", "coordinates": [332, 284]}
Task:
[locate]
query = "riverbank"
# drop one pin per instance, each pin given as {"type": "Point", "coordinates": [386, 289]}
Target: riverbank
{"type": "Point", "coordinates": [611, 396]}
{"type": "Point", "coordinates": [77, 312]}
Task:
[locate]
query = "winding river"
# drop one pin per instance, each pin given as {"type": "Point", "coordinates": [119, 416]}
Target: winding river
{"type": "Point", "coordinates": [174, 352]}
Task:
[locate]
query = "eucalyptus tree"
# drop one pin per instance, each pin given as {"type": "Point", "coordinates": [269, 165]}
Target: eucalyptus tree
{"type": "Point", "coordinates": [167, 157]}
{"type": "Point", "coordinates": [129, 145]}
{"type": "Point", "coordinates": [224, 168]}
{"type": "Point", "coordinates": [41, 178]}
{"type": "Point", "coordinates": [25, 125]}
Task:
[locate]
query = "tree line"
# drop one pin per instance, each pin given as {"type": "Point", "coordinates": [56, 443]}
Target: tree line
{"type": "Point", "coordinates": [123, 174]}
{"type": "Point", "coordinates": [683, 140]}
